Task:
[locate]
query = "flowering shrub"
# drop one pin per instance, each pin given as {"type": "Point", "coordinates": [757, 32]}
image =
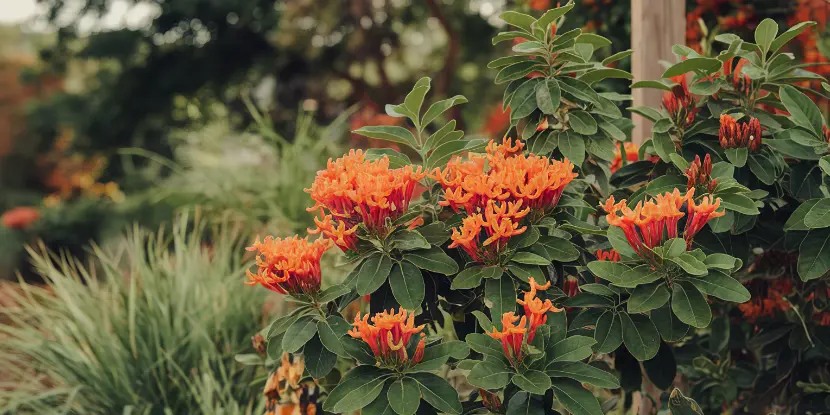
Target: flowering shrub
{"type": "Point", "coordinates": [615, 259]}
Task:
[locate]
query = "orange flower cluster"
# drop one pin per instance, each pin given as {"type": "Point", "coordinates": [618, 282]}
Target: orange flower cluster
{"type": "Point", "coordinates": [680, 103]}
{"type": "Point", "coordinates": [630, 149]}
{"type": "Point", "coordinates": [611, 255]}
{"type": "Point", "coordinates": [288, 266]}
{"type": "Point", "coordinates": [700, 174]}
{"type": "Point", "coordinates": [354, 190]}
{"type": "Point", "coordinates": [284, 394]}
{"type": "Point", "coordinates": [768, 298]}
{"type": "Point", "coordinates": [535, 309]}
{"type": "Point", "coordinates": [499, 223]}
{"type": "Point", "coordinates": [740, 135]}
{"type": "Point", "coordinates": [654, 221]}
{"type": "Point", "coordinates": [388, 336]}
{"type": "Point", "coordinates": [511, 336]}
{"type": "Point", "coordinates": [536, 181]}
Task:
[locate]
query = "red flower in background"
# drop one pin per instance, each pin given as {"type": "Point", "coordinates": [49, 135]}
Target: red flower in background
{"type": "Point", "coordinates": [20, 217]}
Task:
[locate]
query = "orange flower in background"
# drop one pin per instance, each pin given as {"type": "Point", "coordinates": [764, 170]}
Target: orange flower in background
{"type": "Point", "coordinates": [288, 266]}
{"type": "Point", "coordinates": [654, 221]}
{"type": "Point", "coordinates": [631, 151]}
{"type": "Point", "coordinates": [484, 237]}
{"type": "Point", "coordinates": [768, 298]}
{"type": "Point", "coordinates": [511, 336]}
{"type": "Point", "coordinates": [535, 309]}
{"type": "Point", "coordinates": [699, 174]}
{"type": "Point", "coordinates": [610, 255]}
{"type": "Point", "coordinates": [680, 103]}
{"type": "Point", "coordinates": [20, 217]}
{"type": "Point", "coordinates": [284, 394]}
{"type": "Point", "coordinates": [353, 190]}
{"type": "Point", "coordinates": [740, 135]}
{"type": "Point", "coordinates": [388, 335]}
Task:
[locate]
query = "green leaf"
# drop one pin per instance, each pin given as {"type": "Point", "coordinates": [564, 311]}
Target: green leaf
{"type": "Point", "coordinates": [358, 388]}
{"type": "Point", "coordinates": [484, 344]}
{"type": "Point", "coordinates": [330, 339]}
{"type": "Point", "coordinates": [598, 289]}
{"type": "Point", "coordinates": [670, 328]}
{"type": "Point", "coordinates": [720, 261]}
{"type": "Point", "coordinates": [436, 233]}
{"type": "Point", "coordinates": [690, 264]}
{"type": "Point", "coordinates": [373, 273]}
{"type": "Point", "coordinates": [407, 285]}
{"type": "Point", "coordinates": [663, 146]}
{"type": "Point", "coordinates": [819, 215]}
{"type": "Point", "coordinates": [529, 258]}
{"type": "Point", "coordinates": [582, 122]}
{"type": "Point", "coordinates": [441, 155]}
{"type": "Point", "coordinates": [471, 277]}
{"type": "Point", "coordinates": [380, 406]}
{"type": "Point", "coordinates": [796, 220]}
{"type": "Point", "coordinates": [555, 249]}
{"type": "Point", "coordinates": [689, 305]}
{"type": "Point", "coordinates": [824, 165]}
{"type": "Point", "coordinates": [520, 20]}
{"type": "Point", "coordinates": [529, 47]}
{"type": "Point", "coordinates": [438, 393]}
{"type": "Point", "coordinates": [396, 159]}
{"type": "Point", "coordinates": [648, 297]}
{"type": "Point", "coordinates": [523, 102]}
{"type": "Point", "coordinates": [719, 336]}
{"type": "Point", "coordinates": [522, 403]}
{"type": "Point", "coordinates": [719, 284]}
{"type": "Point", "coordinates": [525, 272]}
{"type": "Point", "coordinates": [706, 65]}
{"type": "Point", "coordinates": [789, 35]}
{"type": "Point", "coordinates": [440, 107]}
{"type": "Point", "coordinates": [584, 373]}
{"type": "Point", "coordinates": [299, 333]}
{"type": "Point", "coordinates": [515, 71]}
{"type": "Point", "coordinates": [814, 255]}
{"type": "Point", "coordinates": [608, 332]}
{"type": "Point", "coordinates": [576, 399]}
{"type": "Point", "coordinates": [443, 135]}
{"type": "Point", "coordinates": [319, 361]}
{"type": "Point", "coordinates": [274, 349]}
{"type": "Point", "coordinates": [763, 167]}
{"type": "Point", "coordinates": [738, 203]}
{"type": "Point", "coordinates": [501, 37]}
{"type": "Point", "coordinates": [282, 324]}
{"type": "Point", "coordinates": [548, 96]}
{"type": "Point", "coordinates": [674, 247]}
{"type": "Point", "coordinates": [619, 242]}
{"type": "Point", "coordinates": [483, 321]}
{"type": "Point", "coordinates": [617, 57]}
{"type": "Point", "coordinates": [501, 295]}
{"type": "Point", "coordinates": [604, 73]}
{"type": "Point", "coordinates": [532, 381]}
{"type": "Point", "coordinates": [415, 99]}
{"type": "Point", "coordinates": [408, 240]}
{"type": "Point", "coordinates": [791, 148]}
{"type": "Point", "coordinates": [803, 111]}
{"type": "Point", "coordinates": [571, 349]}
{"type": "Point", "coordinates": [433, 259]}
{"type": "Point", "coordinates": [572, 146]}
{"type": "Point", "coordinates": [609, 271]}
{"type": "Point", "coordinates": [552, 15]}
{"type": "Point", "coordinates": [737, 156]}
{"type": "Point", "coordinates": [641, 274]}
{"type": "Point", "coordinates": [593, 39]}
{"type": "Point", "coordinates": [681, 405]}
{"type": "Point", "coordinates": [652, 84]}
{"type": "Point", "coordinates": [507, 60]}
{"type": "Point", "coordinates": [248, 359]}
{"type": "Point", "coordinates": [765, 33]}
{"type": "Point", "coordinates": [404, 396]}
{"type": "Point", "coordinates": [490, 374]}
{"type": "Point", "coordinates": [640, 336]}
{"type": "Point", "coordinates": [389, 133]}
{"type": "Point", "coordinates": [358, 350]}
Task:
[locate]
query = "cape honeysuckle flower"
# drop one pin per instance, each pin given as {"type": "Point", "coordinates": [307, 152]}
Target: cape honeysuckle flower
{"type": "Point", "coordinates": [535, 309]}
{"type": "Point", "coordinates": [504, 174]}
{"type": "Point", "coordinates": [740, 135]}
{"type": "Point", "coordinates": [388, 336]}
{"type": "Point", "coordinates": [511, 336]}
{"type": "Point", "coordinates": [484, 237]}
{"type": "Point", "coordinates": [491, 401]}
{"type": "Point", "coordinates": [288, 266]}
{"type": "Point", "coordinates": [284, 394]}
{"type": "Point", "coordinates": [609, 255]}
{"type": "Point", "coordinates": [570, 286]}
{"type": "Point", "coordinates": [826, 132]}
{"type": "Point", "coordinates": [681, 104]}
{"type": "Point", "coordinates": [353, 190]}
{"type": "Point", "coordinates": [700, 174]}
{"type": "Point", "coordinates": [631, 155]}
{"type": "Point", "coordinates": [654, 221]}
{"type": "Point", "coordinates": [768, 298]}
{"type": "Point", "coordinates": [740, 82]}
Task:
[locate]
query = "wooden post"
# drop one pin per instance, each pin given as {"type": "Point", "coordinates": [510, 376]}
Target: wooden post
{"type": "Point", "coordinates": [656, 25]}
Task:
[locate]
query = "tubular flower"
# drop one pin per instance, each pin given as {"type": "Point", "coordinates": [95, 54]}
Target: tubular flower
{"type": "Point", "coordinates": [285, 394]}
{"type": "Point", "coordinates": [570, 286]}
{"type": "Point", "coordinates": [768, 298]}
{"type": "Point", "coordinates": [681, 104]}
{"type": "Point", "coordinates": [610, 255]}
{"type": "Point", "coordinates": [535, 309]}
{"type": "Point", "coordinates": [491, 401]}
{"type": "Point", "coordinates": [389, 336]}
{"type": "Point", "coordinates": [484, 237]}
{"type": "Point", "coordinates": [512, 336]}
{"type": "Point", "coordinates": [740, 135]}
{"type": "Point", "coordinates": [288, 266]}
{"type": "Point", "coordinates": [504, 174]}
{"type": "Point", "coordinates": [630, 149]}
{"type": "Point", "coordinates": [826, 132]}
{"type": "Point", "coordinates": [654, 221]}
{"type": "Point", "coordinates": [699, 174]}
{"type": "Point", "coordinates": [353, 190]}
{"type": "Point", "coordinates": [740, 82]}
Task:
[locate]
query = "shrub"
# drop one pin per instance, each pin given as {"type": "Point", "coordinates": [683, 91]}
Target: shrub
{"type": "Point", "coordinates": [626, 262]}
{"type": "Point", "coordinates": [155, 328]}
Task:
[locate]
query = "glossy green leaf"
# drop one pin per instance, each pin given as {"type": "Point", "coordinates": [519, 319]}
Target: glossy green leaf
{"type": "Point", "coordinates": [389, 133]}
{"type": "Point", "coordinates": [471, 277]}
{"type": "Point", "coordinates": [670, 327]}
{"type": "Point", "coordinates": [319, 361]}
{"type": "Point", "coordinates": [501, 297]}
{"type": "Point", "coordinates": [532, 381]}
{"type": "Point", "coordinates": [690, 264]}
{"type": "Point", "coordinates": [814, 255]}
{"type": "Point", "coordinates": [299, 333]}
{"type": "Point", "coordinates": [706, 65]}
{"type": "Point", "coordinates": [719, 284]}
{"type": "Point", "coordinates": [438, 393]}
{"type": "Point", "coordinates": [571, 349]}
{"type": "Point", "coordinates": [490, 374]}
{"type": "Point", "coordinates": [765, 34]}
{"type": "Point", "coordinates": [575, 398]}
{"type": "Point", "coordinates": [689, 305]}
{"type": "Point", "coordinates": [640, 336]}
{"type": "Point", "coordinates": [407, 285]}
{"type": "Point", "coordinates": [433, 259]}
{"type": "Point", "coordinates": [373, 273]}
{"type": "Point", "coordinates": [358, 388]}
{"type": "Point", "coordinates": [529, 258]}
{"type": "Point", "coordinates": [404, 396]}
{"type": "Point", "coordinates": [548, 96]}
{"type": "Point", "coordinates": [584, 373]}
{"type": "Point", "coordinates": [648, 297]}
{"type": "Point", "coordinates": [582, 122]}
{"type": "Point", "coordinates": [608, 332]}
{"type": "Point", "coordinates": [803, 111]}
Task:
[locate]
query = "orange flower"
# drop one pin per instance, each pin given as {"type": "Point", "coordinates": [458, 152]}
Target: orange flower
{"type": "Point", "coordinates": [740, 82]}
{"type": "Point", "coordinates": [654, 221]}
{"type": "Point", "coordinates": [681, 104]}
{"type": "Point", "coordinates": [700, 174]}
{"type": "Point", "coordinates": [504, 174]}
{"type": "Point", "coordinates": [20, 217]}
{"type": "Point", "coordinates": [631, 155]}
{"type": "Point", "coordinates": [610, 255]}
{"type": "Point", "coordinates": [491, 401]}
{"type": "Point", "coordinates": [512, 336]}
{"type": "Point", "coordinates": [288, 266]}
{"type": "Point", "coordinates": [499, 223]}
{"type": "Point", "coordinates": [353, 190]}
{"type": "Point", "coordinates": [536, 310]}
{"type": "Point", "coordinates": [768, 298]}
{"type": "Point", "coordinates": [740, 135]}
{"type": "Point", "coordinates": [389, 335]}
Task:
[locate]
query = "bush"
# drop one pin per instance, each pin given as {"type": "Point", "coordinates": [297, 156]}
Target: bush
{"type": "Point", "coordinates": [153, 328]}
